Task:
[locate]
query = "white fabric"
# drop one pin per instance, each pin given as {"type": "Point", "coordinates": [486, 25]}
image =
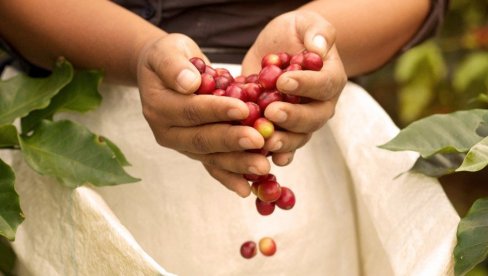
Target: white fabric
{"type": "Point", "coordinates": [353, 215]}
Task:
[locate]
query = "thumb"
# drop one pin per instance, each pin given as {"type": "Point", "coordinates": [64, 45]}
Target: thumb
{"type": "Point", "coordinates": [170, 60]}
{"type": "Point", "coordinates": [318, 35]}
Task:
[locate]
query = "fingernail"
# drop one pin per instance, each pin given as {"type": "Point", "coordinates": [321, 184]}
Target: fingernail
{"type": "Point", "coordinates": [289, 85]}
{"type": "Point", "coordinates": [280, 116]}
{"type": "Point", "coordinates": [246, 143]}
{"type": "Point", "coordinates": [235, 114]}
{"type": "Point", "coordinates": [253, 170]}
{"type": "Point", "coordinates": [276, 146]}
{"type": "Point", "coordinates": [319, 42]}
{"type": "Point", "coordinates": [186, 78]}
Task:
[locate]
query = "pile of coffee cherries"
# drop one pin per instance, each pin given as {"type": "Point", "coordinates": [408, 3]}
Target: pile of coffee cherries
{"type": "Point", "coordinates": [258, 91]}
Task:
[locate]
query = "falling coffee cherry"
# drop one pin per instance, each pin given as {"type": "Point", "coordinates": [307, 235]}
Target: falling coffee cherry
{"type": "Point", "coordinates": [267, 246]}
{"type": "Point", "coordinates": [248, 249]}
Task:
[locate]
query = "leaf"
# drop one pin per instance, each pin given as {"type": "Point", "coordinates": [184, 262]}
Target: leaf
{"type": "Point", "coordinates": [74, 155]}
{"type": "Point", "coordinates": [8, 136]}
{"type": "Point", "coordinates": [414, 98]}
{"type": "Point", "coordinates": [118, 153]}
{"type": "Point", "coordinates": [472, 74]}
{"type": "Point", "coordinates": [80, 95]}
{"type": "Point", "coordinates": [477, 157]}
{"type": "Point", "coordinates": [22, 94]}
{"type": "Point", "coordinates": [424, 59]}
{"type": "Point", "coordinates": [10, 213]}
{"type": "Point", "coordinates": [7, 258]}
{"type": "Point", "coordinates": [439, 164]}
{"type": "Point", "coordinates": [440, 133]}
{"type": "Point", "coordinates": [472, 244]}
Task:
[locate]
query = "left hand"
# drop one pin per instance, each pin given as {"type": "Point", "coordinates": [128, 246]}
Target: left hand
{"type": "Point", "coordinates": [294, 32]}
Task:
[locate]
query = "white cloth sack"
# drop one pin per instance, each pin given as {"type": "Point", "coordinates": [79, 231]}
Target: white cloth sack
{"type": "Point", "coordinates": [353, 215]}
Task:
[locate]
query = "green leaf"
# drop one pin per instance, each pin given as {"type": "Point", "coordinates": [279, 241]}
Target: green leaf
{"type": "Point", "coordinates": [74, 155]}
{"type": "Point", "coordinates": [80, 95]}
{"type": "Point", "coordinates": [117, 152]}
{"type": "Point", "coordinates": [477, 157]}
{"type": "Point", "coordinates": [472, 244]}
{"type": "Point", "coordinates": [10, 213]}
{"type": "Point", "coordinates": [440, 133]}
{"type": "Point", "coordinates": [8, 136]}
{"type": "Point", "coordinates": [439, 164]}
{"type": "Point", "coordinates": [419, 61]}
{"type": "Point", "coordinates": [414, 97]}
{"type": "Point", "coordinates": [22, 94]}
{"type": "Point", "coordinates": [7, 257]}
{"type": "Point", "coordinates": [472, 74]}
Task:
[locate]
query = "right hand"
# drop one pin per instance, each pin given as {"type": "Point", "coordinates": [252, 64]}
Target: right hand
{"type": "Point", "coordinates": [193, 124]}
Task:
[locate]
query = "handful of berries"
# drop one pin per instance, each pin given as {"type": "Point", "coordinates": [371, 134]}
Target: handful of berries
{"type": "Point", "coordinates": [258, 91]}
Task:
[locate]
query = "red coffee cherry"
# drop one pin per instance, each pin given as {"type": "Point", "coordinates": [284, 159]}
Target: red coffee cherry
{"type": "Point", "coordinates": [312, 61]}
{"type": "Point", "coordinates": [287, 199]}
{"type": "Point", "coordinates": [207, 84]}
{"type": "Point", "coordinates": [264, 208]}
{"type": "Point", "coordinates": [268, 76]}
{"type": "Point", "coordinates": [248, 249]}
{"type": "Point", "coordinates": [269, 191]}
{"type": "Point", "coordinates": [199, 64]}
{"type": "Point", "coordinates": [254, 114]}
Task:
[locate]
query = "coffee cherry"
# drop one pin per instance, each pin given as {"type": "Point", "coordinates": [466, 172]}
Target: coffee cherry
{"type": "Point", "coordinates": [207, 84]}
{"type": "Point", "coordinates": [293, 67]}
{"type": "Point", "coordinates": [199, 64]}
{"type": "Point", "coordinates": [240, 79]}
{"type": "Point", "coordinates": [259, 151]}
{"type": "Point", "coordinates": [222, 82]}
{"type": "Point", "coordinates": [287, 199]}
{"type": "Point", "coordinates": [264, 127]}
{"type": "Point", "coordinates": [312, 61]}
{"type": "Point", "coordinates": [252, 90]}
{"type": "Point", "coordinates": [297, 59]}
{"type": "Point", "coordinates": [253, 78]}
{"type": "Point", "coordinates": [254, 114]}
{"type": "Point", "coordinates": [268, 97]}
{"type": "Point", "coordinates": [219, 92]}
{"type": "Point", "coordinates": [235, 91]}
{"type": "Point", "coordinates": [285, 59]}
{"type": "Point", "coordinates": [222, 72]}
{"type": "Point", "coordinates": [209, 70]}
{"type": "Point", "coordinates": [264, 208]}
{"type": "Point", "coordinates": [248, 249]}
{"type": "Point", "coordinates": [271, 59]}
{"type": "Point", "coordinates": [267, 246]}
{"type": "Point", "coordinates": [269, 191]}
{"type": "Point", "coordinates": [291, 98]}
{"type": "Point", "coordinates": [268, 76]}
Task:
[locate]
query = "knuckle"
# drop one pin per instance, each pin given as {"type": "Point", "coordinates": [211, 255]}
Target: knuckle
{"type": "Point", "coordinates": [191, 114]}
{"type": "Point", "coordinates": [200, 143]}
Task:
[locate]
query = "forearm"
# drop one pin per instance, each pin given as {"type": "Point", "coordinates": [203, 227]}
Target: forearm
{"type": "Point", "coordinates": [370, 32]}
{"type": "Point", "coordinates": [91, 34]}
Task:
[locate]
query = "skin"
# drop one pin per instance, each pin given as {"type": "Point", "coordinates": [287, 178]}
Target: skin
{"type": "Point", "coordinates": [89, 34]}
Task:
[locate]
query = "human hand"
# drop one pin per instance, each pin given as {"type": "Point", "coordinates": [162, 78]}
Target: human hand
{"type": "Point", "coordinates": [191, 124]}
{"type": "Point", "coordinates": [294, 32]}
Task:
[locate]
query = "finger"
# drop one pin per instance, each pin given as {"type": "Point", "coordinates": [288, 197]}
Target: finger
{"type": "Point", "coordinates": [210, 138]}
{"type": "Point", "coordinates": [236, 162]}
{"type": "Point", "coordinates": [301, 118]}
{"type": "Point", "coordinates": [318, 85]}
{"type": "Point", "coordinates": [232, 181]}
{"type": "Point", "coordinates": [283, 159]}
{"type": "Point", "coordinates": [318, 35]}
{"type": "Point", "coordinates": [170, 60]}
{"type": "Point", "coordinates": [285, 141]}
{"type": "Point", "coordinates": [183, 110]}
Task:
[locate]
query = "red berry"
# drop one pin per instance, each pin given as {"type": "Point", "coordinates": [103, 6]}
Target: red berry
{"type": "Point", "coordinates": [264, 126]}
{"type": "Point", "coordinates": [268, 76]}
{"type": "Point", "coordinates": [257, 178]}
{"type": "Point", "coordinates": [248, 249]}
{"type": "Point", "coordinates": [270, 59]}
{"type": "Point", "coordinates": [297, 59]}
{"type": "Point", "coordinates": [269, 191]}
{"type": "Point", "coordinates": [293, 67]}
{"type": "Point", "coordinates": [207, 84]}
{"type": "Point", "coordinates": [252, 90]}
{"type": "Point", "coordinates": [264, 208]}
{"type": "Point", "coordinates": [254, 114]}
{"type": "Point", "coordinates": [240, 79]}
{"type": "Point", "coordinates": [219, 92]}
{"type": "Point", "coordinates": [291, 98]}
{"type": "Point", "coordinates": [267, 246]}
{"type": "Point", "coordinates": [259, 151]}
{"type": "Point", "coordinates": [268, 97]}
{"type": "Point", "coordinates": [285, 59]}
{"type": "Point", "coordinates": [222, 82]}
{"type": "Point", "coordinates": [209, 70]}
{"type": "Point", "coordinates": [253, 78]}
{"type": "Point", "coordinates": [222, 72]}
{"type": "Point", "coordinates": [287, 199]}
{"type": "Point", "coordinates": [235, 91]}
{"type": "Point", "coordinates": [312, 61]}
{"type": "Point", "coordinates": [199, 64]}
